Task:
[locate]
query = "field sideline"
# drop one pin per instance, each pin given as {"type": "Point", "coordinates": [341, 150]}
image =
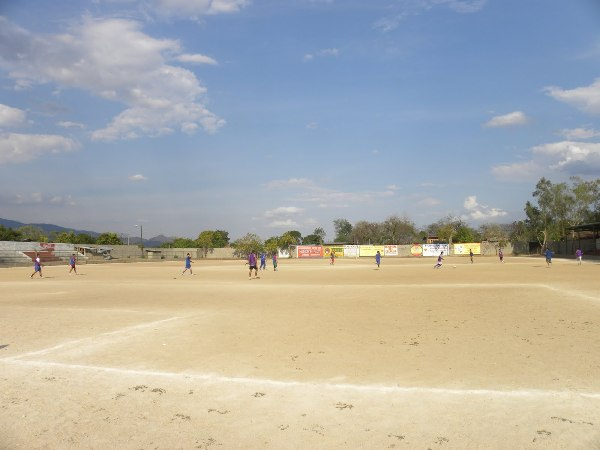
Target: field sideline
{"type": "Point", "coordinates": [313, 356]}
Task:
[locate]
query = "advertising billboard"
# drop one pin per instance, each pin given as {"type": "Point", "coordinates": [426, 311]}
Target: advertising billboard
{"type": "Point", "coordinates": [337, 249]}
{"type": "Point", "coordinates": [463, 249]}
{"type": "Point", "coordinates": [370, 250]}
{"type": "Point", "coordinates": [390, 250]}
{"type": "Point", "coordinates": [310, 251]}
{"type": "Point", "coordinates": [351, 251]}
{"type": "Point", "coordinates": [435, 249]}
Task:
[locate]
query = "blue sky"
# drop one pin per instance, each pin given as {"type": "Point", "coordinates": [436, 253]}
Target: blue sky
{"type": "Point", "coordinates": [266, 116]}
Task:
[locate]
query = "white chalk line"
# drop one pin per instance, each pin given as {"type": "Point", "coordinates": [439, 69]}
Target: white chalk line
{"type": "Point", "coordinates": [372, 388]}
{"type": "Point", "coordinates": [122, 333]}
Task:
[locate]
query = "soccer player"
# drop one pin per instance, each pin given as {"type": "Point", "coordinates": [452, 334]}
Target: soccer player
{"type": "Point", "coordinates": [274, 260]}
{"type": "Point", "coordinates": [378, 259]}
{"type": "Point", "coordinates": [501, 255]}
{"type": "Point", "coordinates": [252, 264]}
{"type": "Point", "coordinates": [332, 262]}
{"type": "Point", "coordinates": [188, 264]}
{"type": "Point", "coordinates": [549, 254]}
{"type": "Point", "coordinates": [439, 261]}
{"type": "Point", "coordinates": [471, 255]}
{"type": "Point", "coordinates": [579, 256]}
{"type": "Point", "coordinates": [37, 266]}
{"type": "Point", "coordinates": [263, 261]}
{"type": "Point", "coordinates": [72, 263]}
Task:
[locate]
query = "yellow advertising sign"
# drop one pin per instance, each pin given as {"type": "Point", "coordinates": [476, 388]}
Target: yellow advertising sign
{"type": "Point", "coordinates": [463, 249]}
{"type": "Point", "coordinates": [338, 250]}
{"type": "Point", "coordinates": [370, 250]}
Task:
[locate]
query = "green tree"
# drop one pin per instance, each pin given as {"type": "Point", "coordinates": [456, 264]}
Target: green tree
{"type": "Point", "coordinates": [447, 228]}
{"type": "Point", "coordinates": [320, 233]}
{"type": "Point", "coordinates": [206, 241]}
{"type": "Point", "coordinates": [289, 239]}
{"type": "Point", "coordinates": [246, 244]}
{"type": "Point", "coordinates": [496, 234]}
{"type": "Point", "coordinates": [398, 230]}
{"type": "Point", "coordinates": [83, 238]}
{"type": "Point", "coordinates": [586, 201]}
{"type": "Point", "coordinates": [33, 233]}
{"type": "Point", "coordinates": [9, 234]}
{"type": "Point", "coordinates": [271, 245]}
{"type": "Point", "coordinates": [64, 237]}
{"type": "Point", "coordinates": [109, 239]}
{"type": "Point", "coordinates": [465, 233]}
{"type": "Point", "coordinates": [343, 231]}
{"type": "Point", "coordinates": [365, 232]}
{"type": "Point", "coordinates": [220, 239]}
{"type": "Point", "coordinates": [312, 239]}
{"type": "Point", "coordinates": [181, 242]}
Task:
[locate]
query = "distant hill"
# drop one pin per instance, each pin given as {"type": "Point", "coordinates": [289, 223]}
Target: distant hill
{"type": "Point", "coordinates": [49, 228]}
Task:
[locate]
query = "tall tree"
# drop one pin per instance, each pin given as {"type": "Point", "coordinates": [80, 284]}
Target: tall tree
{"type": "Point", "coordinates": [206, 241]}
{"type": "Point", "coordinates": [320, 233]}
{"type": "Point", "coordinates": [365, 232]}
{"type": "Point", "coordinates": [9, 234]}
{"type": "Point", "coordinates": [220, 239]}
{"type": "Point", "coordinates": [33, 233]}
{"type": "Point", "coordinates": [343, 230]}
{"type": "Point", "coordinates": [398, 230]}
{"type": "Point", "coordinates": [109, 239]}
{"type": "Point", "coordinates": [244, 245]}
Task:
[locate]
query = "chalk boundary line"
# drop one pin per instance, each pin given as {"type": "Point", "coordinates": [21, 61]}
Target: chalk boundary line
{"type": "Point", "coordinates": [126, 332]}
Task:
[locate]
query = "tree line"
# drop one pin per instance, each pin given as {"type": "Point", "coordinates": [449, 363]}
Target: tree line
{"type": "Point", "coordinates": [553, 209]}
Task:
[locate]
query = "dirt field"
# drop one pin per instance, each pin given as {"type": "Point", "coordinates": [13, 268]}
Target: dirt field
{"type": "Point", "coordinates": [313, 356]}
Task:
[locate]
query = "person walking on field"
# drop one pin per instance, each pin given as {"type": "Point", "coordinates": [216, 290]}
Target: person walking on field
{"type": "Point", "coordinates": [263, 261]}
{"type": "Point", "coordinates": [274, 261]}
{"type": "Point", "coordinates": [252, 265]}
{"type": "Point", "coordinates": [471, 255]}
{"type": "Point", "coordinates": [579, 256]}
{"type": "Point", "coordinates": [501, 255]}
{"type": "Point", "coordinates": [37, 266]}
{"type": "Point", "coordinates": [332, 262]}
{"type": "Point", "coordinates": [188, 264]}
{"type": "Point", "coordinates": [549, 254]}
{"type": "Point", "coordinates": [439, 261]}
{"type": "Point", "coordinates": [72, 263]}
{"type": "Point", "coordinates": [378, 258]}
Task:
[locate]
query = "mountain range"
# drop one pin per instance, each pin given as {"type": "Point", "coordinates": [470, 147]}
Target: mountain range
{"type": "Point", "coordinates": [49, 228]}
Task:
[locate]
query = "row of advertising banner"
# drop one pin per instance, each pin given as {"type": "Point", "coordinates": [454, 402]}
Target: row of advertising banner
{"type": "Point", "coordinates": [356, 251]}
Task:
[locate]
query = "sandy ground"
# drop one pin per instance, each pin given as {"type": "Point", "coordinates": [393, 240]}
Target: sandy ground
{"type": "Point", "coordinates": [313, 356]}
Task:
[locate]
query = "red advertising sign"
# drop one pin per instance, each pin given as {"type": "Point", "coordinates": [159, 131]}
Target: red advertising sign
{"type": "Point", "coordinates": [310, 251]}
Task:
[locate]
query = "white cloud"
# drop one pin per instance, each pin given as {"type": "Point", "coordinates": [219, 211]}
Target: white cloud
{"type": "Point", "coordinates": [113, 59]}
{"type": "Point", "coordinates": [411, 8]}
{"type": "Point", "coordinates": [312, 126]}
{"type": "Point", "coordinates": [19, 148]}
{"type": "Point", "coordinates": [579, 133]}
{"type": "Point", "coordinates": [62, 200]}
{"type": "Point", "coordinates": [571, 157]}
{"type": "Point", "coordinates": [508, 120]}
{"type": "Point", "coordinates": [283, 211]}
{"type": "Point", "coordinates": [196, 59]}
{"type": "Point", "coordinates": [71, 125]}
{"type": "Point", "coordinates": [138, 177]}
{"type": "Point", "coordinates": [428, 201]}
{"type": "Point", "coordinates": [326, 52]}
{"type": "Point", "coordinates": [194, 9]}
{"type": "Point", "coordinates": [11, 117]}
{"type": "Point", "coordinates": [291, 182]}
{"type": "Point", "coordinates": [475, 211]}
{"type": "Point", "coordinates": [288, 223]}
{"type": "Point", "coordinates": [586, 98]}
{"type": "Point", "coordinates": [520, 171]}
{"type": "Point", "coordinates": [562, 158]}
